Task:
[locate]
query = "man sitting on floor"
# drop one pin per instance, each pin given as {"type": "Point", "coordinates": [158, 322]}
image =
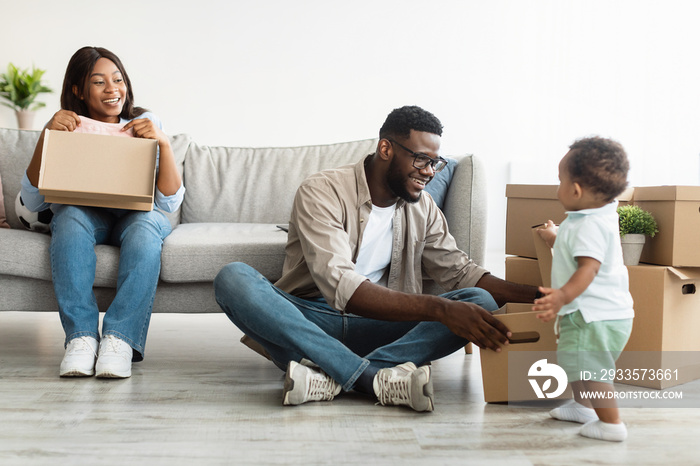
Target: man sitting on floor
{"type": "Point", "coordinates": [348, 312]}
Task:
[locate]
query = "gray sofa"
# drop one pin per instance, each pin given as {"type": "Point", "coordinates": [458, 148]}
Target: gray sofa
{"type": "Point", "coordinates": [235, 198]}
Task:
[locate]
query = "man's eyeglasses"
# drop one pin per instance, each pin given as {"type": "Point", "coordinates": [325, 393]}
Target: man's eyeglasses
{"type": "Point", "coordinates": [420, 160]}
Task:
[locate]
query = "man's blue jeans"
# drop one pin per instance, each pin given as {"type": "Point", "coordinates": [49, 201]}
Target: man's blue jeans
{"type": "Point", "coordinates": [75, 230]}
{"type": "Point", "coordinates": [343, 345]}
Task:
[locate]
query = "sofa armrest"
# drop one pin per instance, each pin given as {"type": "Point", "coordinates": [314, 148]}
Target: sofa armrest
{"type": "Point", "coordinates": [465, 207]}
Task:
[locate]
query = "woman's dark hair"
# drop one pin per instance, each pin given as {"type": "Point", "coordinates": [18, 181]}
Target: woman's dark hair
{"type": "Point", "coordinates": [78, 71]}
{"type": "Point", "coordinates": [401, 121]}
{"type": "Point", "coordinates": [599, 164]}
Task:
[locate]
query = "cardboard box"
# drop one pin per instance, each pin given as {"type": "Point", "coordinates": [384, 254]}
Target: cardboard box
{"type": "Point", "coordinates": [544, 258]}
{"type": "Point", "coordinates": [666, 324]}
{"type": "Point", "coordinates": [529, 205]}
{"type": "Point", "coordinates": [98, 170]}
{"type": "Point", "coordinates": [523, 270]}
{"type": "Point", "coordinates": [677, 212]}
{"type": "Point", "coordinates": [531, 337]}
{"type": "Point", "coordinates": [666, 307]}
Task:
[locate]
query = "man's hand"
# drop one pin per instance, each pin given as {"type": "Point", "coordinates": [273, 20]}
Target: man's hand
{"type": "Point", "coordinates": [476, 325]}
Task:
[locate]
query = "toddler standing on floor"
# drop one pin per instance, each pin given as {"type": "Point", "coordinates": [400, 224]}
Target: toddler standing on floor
{"type": "Point", "coordinates": [590, 287]}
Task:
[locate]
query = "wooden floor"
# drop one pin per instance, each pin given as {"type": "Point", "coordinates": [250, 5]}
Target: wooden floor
{"type": "Point", "coordinates": [200, 397]}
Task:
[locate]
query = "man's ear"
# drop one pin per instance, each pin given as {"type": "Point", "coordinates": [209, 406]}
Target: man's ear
{"type": "Point", "coordinates": [75, 92]}
{"type": "Point", "coordinates": [385, 150]}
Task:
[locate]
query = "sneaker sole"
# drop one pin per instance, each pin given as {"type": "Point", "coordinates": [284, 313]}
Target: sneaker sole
{"type": "Point", "coordinates": [288, 386]}
{"type": "Point", "coordinates": [112, 375]}
{"type": "Point", "coordinates": [76, 373]}
{"type": "Point", "coordinates": [428, 391]}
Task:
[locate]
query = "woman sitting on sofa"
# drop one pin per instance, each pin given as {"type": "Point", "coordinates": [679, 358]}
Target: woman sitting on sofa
{"type": "Point", "coordinates": [97, 97]}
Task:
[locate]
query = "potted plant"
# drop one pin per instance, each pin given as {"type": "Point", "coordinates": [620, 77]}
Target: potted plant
{"type": "Point", "coordinates": [635, 225]}
{"type": "Point", "coordinates": [21, 88]}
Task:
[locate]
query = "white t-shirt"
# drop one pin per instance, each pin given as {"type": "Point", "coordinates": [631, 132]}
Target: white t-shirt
{"type": "Point", "coordinates": [593, 233]}
{"type": "Point", "coordinates": [374, 256]}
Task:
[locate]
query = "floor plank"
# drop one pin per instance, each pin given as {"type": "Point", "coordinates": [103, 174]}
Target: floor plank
{"type": "Point", "coordinates": [201, 397]}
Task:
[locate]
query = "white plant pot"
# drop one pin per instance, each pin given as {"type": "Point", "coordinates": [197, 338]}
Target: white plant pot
{"type": "Point", "coordinates": [632, 245]}
{"type": "Point", "coordinates": [25, 119]}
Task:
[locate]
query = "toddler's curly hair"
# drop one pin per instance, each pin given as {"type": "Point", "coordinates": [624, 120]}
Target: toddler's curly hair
{"type": "Point", "coordinates": [599, 164]}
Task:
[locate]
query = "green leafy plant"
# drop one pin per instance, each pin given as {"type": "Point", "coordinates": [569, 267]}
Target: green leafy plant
{"type": "Point", "coordinates": [22, 87]}
{"type": "Point", "coordinates": [635, 220]}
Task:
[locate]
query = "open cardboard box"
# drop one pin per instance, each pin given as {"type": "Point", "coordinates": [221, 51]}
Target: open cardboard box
{"type": "Point", "coordinates": [533, 204]}
{"type": "Point", "coordinates": [677, 213]}
{"type": "Point", "coordinates": [98, 170]}
{"type": "Point", "coordinates": [506, 375]}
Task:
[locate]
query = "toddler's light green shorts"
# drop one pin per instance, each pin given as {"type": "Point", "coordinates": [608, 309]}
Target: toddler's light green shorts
{"type": "Point", "coordinates": [592, 347]}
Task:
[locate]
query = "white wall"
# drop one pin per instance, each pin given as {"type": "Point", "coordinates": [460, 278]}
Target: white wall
{"type": "Point", "coordinates": [513, 81]}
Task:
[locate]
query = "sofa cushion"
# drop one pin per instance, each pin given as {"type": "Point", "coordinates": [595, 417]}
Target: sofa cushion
{"type": "Point", "coordinates": [3, 218]}
{"type": "Point", "coordinates": [179, 143]}
{"type": "Point", "coordinates": [440, 183]}
{"type": "Point", "coordinates": [196, 252]}
{"type": "Point", "coordinates": [25, 253]}
{"type": "Point", "coordinates": [224, 183]}
{"type": "Point", "coordinates": [16, 150]}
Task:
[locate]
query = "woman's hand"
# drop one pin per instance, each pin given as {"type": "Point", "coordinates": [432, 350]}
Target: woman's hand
{"type": "Point", "coordinates": [63, 120]}
{"type": "Point", "coordinates": [145, 128]}
{"type": "Point", "coordinates": [169, 179]}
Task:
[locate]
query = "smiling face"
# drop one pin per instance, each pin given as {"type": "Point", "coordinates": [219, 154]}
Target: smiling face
{"type": "Point", "coordinates": [403, 179]}
{"type": "Point", "coordinates": [105, 92]}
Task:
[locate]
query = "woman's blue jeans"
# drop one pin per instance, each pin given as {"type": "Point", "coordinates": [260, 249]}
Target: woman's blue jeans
{"type": "Point", "coordinates": [75, 230]}
{"type": "Point", "coordinates": [343, 345]}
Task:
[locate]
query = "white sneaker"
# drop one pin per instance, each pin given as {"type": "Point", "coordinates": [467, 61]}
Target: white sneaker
{"type": "Point", "coordinates": [405, 385]}
{"type": "Point", "coordinates": [303, 383]}
{"type": "Point", "coordinates": [79, 360]}
{"type": "Point", "coordinates": [114, 358]}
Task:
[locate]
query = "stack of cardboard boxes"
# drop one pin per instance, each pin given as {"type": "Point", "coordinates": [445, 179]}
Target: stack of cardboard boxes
{"type": "Point", "coordinates": [666, 303]}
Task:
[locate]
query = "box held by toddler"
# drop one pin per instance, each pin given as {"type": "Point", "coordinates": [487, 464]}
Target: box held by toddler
{"type": "Point", "coordinates": [98, 170]}
{"type": "Point", "coordinates": [533, 204]}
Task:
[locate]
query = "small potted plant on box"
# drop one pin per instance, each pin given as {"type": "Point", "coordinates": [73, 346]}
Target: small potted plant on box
{"type": "Point", "coordinates": [21, 88]}
{"type": "Point", "coordinates": [635, 225]}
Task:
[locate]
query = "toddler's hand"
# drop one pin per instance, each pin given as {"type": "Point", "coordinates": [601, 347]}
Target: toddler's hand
{"type": "Point", "coordinates": [550, 304]}
{"type": "Point", "coordinates": [548, 233]}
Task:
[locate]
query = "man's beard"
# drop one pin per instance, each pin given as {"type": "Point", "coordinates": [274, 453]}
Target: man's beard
{"type": "Point", "coordinates": [397, 184]}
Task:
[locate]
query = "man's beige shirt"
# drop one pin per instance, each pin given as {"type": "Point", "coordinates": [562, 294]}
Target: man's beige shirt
{"type": "Point", "coordinates": [329, 216]}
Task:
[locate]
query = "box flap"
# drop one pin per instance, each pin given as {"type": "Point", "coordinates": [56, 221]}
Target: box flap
{"type": "Point", "coordinates": [532, 191]}
{"type": "Point", "coordinates": [667, 193]}
{"type": "Point", "coordinates": [544, 257]}
{"type": "Point", "coordinates": [685, 273]}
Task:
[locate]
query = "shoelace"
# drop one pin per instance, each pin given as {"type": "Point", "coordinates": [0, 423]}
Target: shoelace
{"type": "Point", "coordinates": [393, 390]}
{"type": "Point", "coordinates": [82, 345]}
{"type": "Point", "coordinates": [112, 346]}
{"type": "Point", "coordinates": [321, 388]}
